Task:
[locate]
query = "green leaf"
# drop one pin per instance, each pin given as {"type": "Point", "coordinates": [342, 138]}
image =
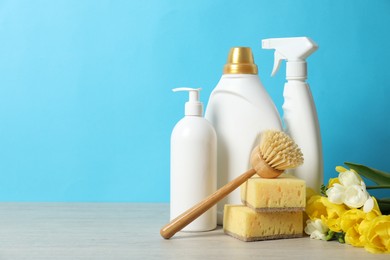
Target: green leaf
{"type": "Point", "coordinates": [323, 190]}
{"type": "Point", "coordinates": [378, 187]}
{"type": "Point", "coordinates": [384, 205]}
{"type": "Point", "coordinates": [377, 176]}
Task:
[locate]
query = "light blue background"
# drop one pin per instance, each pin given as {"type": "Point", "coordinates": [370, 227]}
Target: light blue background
{"type": "Point", "coordinates": [86, 108]}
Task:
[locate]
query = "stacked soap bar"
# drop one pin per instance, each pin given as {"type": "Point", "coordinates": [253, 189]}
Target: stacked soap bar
{"type": "Point", "coordinates": [273, 209]}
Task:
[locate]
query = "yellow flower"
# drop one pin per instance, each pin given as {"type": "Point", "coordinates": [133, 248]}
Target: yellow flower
{"type": "Point", "coordinates": [341, 169]}
{"type": "Point", "coordinates": [335, 211]}
{"type": "Point", "coordinates": [319, 207]}
{"type": "Point", "coordinates": [315, 207]}
{"type": "Point", "coordinates": [375, 210]}
{"type": "Point", "coordinates": [350, 222]}
{"type": "Point", "coordinates": [360, 221]}
{"type": "Point", "coordinates": [366, 223]}
{"type": "Point", "coordinates": [377, 235]}
{"type": "Point", "coordinates": [332, 181]}
{"type": "Point", "coordinates": [310, 193]}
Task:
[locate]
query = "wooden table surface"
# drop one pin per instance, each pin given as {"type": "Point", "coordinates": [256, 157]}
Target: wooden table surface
{"type": "Point", "coordinates": [131, 231]}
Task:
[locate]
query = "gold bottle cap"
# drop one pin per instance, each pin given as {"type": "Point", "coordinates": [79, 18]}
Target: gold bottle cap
{"type": "Point", "coordinates": [240, 61]}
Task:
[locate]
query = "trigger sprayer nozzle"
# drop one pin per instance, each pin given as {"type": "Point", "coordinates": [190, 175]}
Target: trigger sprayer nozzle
{"type": "Point", "coordinates": [294, 50]}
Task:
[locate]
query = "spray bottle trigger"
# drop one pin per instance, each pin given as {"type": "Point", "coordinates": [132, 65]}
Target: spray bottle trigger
{"type": "Point", "coordinates": [277, 61]}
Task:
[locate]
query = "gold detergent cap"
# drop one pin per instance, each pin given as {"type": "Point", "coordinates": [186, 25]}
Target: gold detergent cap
{"type": "Point", "coordinates": [240, 61]}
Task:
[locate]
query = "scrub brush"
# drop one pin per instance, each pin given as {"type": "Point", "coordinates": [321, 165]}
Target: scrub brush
{"type": "Point", "coordinates": [275, 153]}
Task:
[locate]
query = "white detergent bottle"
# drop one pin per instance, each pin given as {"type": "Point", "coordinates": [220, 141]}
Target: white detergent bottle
{"type": "Point", "coordinates": [239, 109]}
{"type": "Point", "coordinates": [300, 115]}
{"type": "Point", "coordinates": [193, 163]}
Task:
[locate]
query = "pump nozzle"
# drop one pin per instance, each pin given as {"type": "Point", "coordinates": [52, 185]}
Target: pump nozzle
{"type": "Point", "coordinates": [294, 50]}
{"type": "Point", "coordinates": [193, 107]}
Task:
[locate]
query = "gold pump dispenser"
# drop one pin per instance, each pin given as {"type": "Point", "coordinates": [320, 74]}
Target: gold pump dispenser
{"type": "Point", "coordinates": [240, 61]}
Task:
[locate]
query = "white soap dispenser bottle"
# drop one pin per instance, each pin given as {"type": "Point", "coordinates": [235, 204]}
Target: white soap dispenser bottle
{"type": "Point", "coordinates": [300, 115]}
{"type": "Point", "coordinates": [193, 163]}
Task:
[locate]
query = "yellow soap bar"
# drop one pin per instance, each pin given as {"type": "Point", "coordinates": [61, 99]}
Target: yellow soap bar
{"type": "Point", "coordinates": [285, 193]}
{"type": "Point", "coordinates": [248, 225]}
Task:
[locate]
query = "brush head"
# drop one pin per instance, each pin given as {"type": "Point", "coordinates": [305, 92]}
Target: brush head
{"type": "Point", "coordinates": [275, 153]}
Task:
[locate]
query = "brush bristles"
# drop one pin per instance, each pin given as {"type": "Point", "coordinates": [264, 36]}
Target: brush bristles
{"type": "Point", "coordinates": [279, 151]}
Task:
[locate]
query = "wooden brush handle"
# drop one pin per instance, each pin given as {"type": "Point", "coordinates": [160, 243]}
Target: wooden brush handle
{"type": "Point", "coordinates": [191, 214]}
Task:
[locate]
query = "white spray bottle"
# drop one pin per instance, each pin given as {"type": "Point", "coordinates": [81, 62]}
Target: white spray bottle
{"type": "Point", "coordinates": [193, 163]}
{"type": "Point", "coordinates": [300, 116]}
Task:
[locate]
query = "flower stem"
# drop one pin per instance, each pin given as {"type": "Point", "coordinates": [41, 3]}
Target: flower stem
{"type": "Point", "coordinates": [330, 235]}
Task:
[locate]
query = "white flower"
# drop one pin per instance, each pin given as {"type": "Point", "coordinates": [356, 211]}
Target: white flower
{"type": "Point", "coordinates": [368, 205]}
{"type": "Point", "coordinates": [316, 229]}
{"type": "Point", "coordinates": [336, 193]}
{"type": "Point", "coordinates": [355, 196]}
{"type": "Point", "coordinates": [351, 192]}
{"type": "Point", "coordinates": [349, 178]}
{"type": "Point", "coordinates": [317, 235]}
